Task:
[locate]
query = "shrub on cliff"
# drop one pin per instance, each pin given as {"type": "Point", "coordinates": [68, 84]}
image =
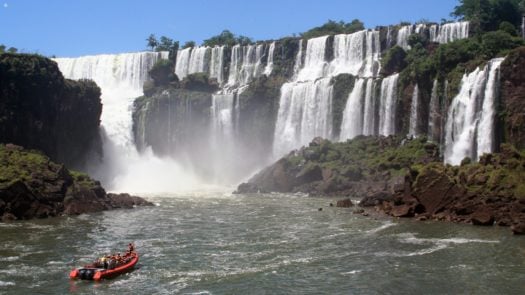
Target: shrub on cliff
{"type": "Point", "coordinates": [394, 61]}
{"type": "Point", "coordinates": [162, 72]}
{"type": "Point", "coordinates": [332, 27]}
{"type": "Point", "coordinates": [227, 38]}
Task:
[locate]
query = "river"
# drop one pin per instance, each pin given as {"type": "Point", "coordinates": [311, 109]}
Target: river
{"type": "Point", "coordinates": [218, 243]}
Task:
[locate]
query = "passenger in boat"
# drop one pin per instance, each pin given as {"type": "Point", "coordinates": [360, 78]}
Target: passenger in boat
{"type": "Point", "coordinates": [131, 248]}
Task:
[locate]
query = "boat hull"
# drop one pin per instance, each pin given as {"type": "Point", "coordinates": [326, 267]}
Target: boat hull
{"type": "Point", "coordinates": [97, 274]}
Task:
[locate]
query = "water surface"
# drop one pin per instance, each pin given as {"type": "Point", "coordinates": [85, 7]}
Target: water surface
{"type": "Point", "coordinates": [215, 243]}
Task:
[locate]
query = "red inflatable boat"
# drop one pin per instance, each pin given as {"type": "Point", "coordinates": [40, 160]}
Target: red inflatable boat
{"type": "Point", "coordinates": [98, 271]}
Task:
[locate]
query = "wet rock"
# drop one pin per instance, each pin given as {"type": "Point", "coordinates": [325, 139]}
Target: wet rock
{"type": "Point", "coordinates": [402, 211]}
{"type": "Point", "coordinates": [482, 217]}
{"type": "Point", "coordinates": [518, 229]}
{"type": "Point", "coordinates": [358, 211]}
{"type": "Point", "coordinates": [345, 203]}
{"type": "Point", "coordinates": [375, 199]}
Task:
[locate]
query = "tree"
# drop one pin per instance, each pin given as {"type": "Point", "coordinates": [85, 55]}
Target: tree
{"type": "Point", "coordinates": [165, 44]}
{"type": "Point", "coordinates": [189, 44]}
{"type": "Point", "coordinates": [2, 48]}
{"type": "Point", "coordinates": [332, 27]}
{"type": "Point", "coordinates": [224, 38]}
{"type": "Point", "coordinates": [486, 15]}
{"type": "Point", "coordinates": [12, 50]}
{"type": "Point", "coordinates": [152, 41]}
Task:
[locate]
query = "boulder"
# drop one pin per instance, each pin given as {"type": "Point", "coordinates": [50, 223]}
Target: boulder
{"type": "Point", "coordinates": [345, 203]}
{"type": "Point", "coordinates": [482, 217]}
{"type": "Point", "coordinates": [518, 229]}
{"type": "Point", "coordinates": [376, 199]}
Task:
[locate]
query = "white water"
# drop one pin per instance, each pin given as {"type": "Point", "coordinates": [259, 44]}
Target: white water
{"type": "Point", "coordinates": [305, 106]}
{"type": "Point", "coordinates": [470, 118]}
{"type": "Point", "coordinates": [451, 32]}
{"type": "Point", "coordinates": [434, 113]}
{"type": "Point", "coordinates": [412, 129]}
{"type": "Point", "coordinates": [387, 108]}
{"type": "Point", "coordinates": [121, 78]}
{"type": "Point", "coordinates": [369, 124]}
{"type": "Point", "coordinates": [269, 64]}
{"type": "Point", "coordinates": [245, 64]}
{"type": "Point", "coordinates": [217, 64]}
{"type": "Point", "coordinates": [402, 36]}
{"type": "Point", "coordinates": [352, 124]}
{"type": "Point", "coordinates": [192, 60]}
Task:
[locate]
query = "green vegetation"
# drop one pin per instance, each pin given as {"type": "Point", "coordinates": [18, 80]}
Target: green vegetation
{"type": "Point", "coordinates": [227, 38]}
{"type": "Point", "coordinates": [8, 50]}
{"type": "Point", "coordinates": [367, 156]}
{"type": "Point", "coordinates": [332, 27]}
{"type": "Point", "coordinates": [189, 44]}
{"type": "Point", "coordinates": [162, 72]}
{"type": "Point", "coordinates": [487, 15]}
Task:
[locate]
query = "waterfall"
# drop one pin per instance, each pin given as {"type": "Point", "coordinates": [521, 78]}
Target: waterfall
{"type": "Point", "coordinates": [450, 32]}
{"type": "Point", "coordinates": [433, 33]}
{"type": "Point", "coordinates": [298, 60]}
{"type": "Point", "coordinates": [414, 106]}
{"type": "Point", "coordinates": [192, 60]}
{"type": "Point", "coordinates": [216, 64]}
{"type": "Point", "coordinates": [356, 54]}
{"type": "Point", "coordinates": [183, 63]}
{"type": "Point", "coordinates": [352, 124]}
{"type": "Point", "coordinates": [369, 109]}
{"type": "Point", "coordinates": [305, 110]}
{"type": "Point", "coordinates": [420, 28]}
{"type": "Point", "coordinates": [269, 64]}
{"type": "Point", "coordinates": [305, 106]}
{"type": "Point", "coordinates": [245, 64]}
{"type": "Point", "coordinates": [121, 78]}
{"type": "Point", "coordinates": [389, 37]}
{"type": "Point", "coordinates": [387, 109]}
{"type": "Point", "coordinates": [470, 118]}
{"type": "Point", "coordinates": [434, 114]}
{"type": "Point", "coordinates": [402, 36]}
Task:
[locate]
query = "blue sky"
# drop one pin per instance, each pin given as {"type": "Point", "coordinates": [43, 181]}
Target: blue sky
{"type": "Point", "coordinates": [81, 27]}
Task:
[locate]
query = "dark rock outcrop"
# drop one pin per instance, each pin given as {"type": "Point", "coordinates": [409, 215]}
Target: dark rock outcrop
{"type": "Point", "coordinates": [365, 166]}
{"type": "Point", "coordinates": [32, 186]}
{"type": "Point", "coordinates": [513, 98]}
{"type": "Point", "coordinates": [485, 193]}
{"type": "Point", "coordinates": [40, 109]}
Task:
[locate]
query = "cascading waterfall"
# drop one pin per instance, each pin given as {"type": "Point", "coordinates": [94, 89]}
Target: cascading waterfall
{"type": "Point", "coordinates": [121, 78]}
{"type": "Point", "coordinates": [305, 106]}
{"type": "Point", "coordinates": [352, 124]}
{"type": "Point", "coordinates": [192, 60]}
{"type": "Point", "coordinates": [434, 114]}
{"type": "Point", "coordinates": [356, 54]}
{"type": "Point", "coordinates": [402, 36]}
{"type": "Point", "coordinates": [245, 64]}
{"type": "Point", "coordinates": [269, 64]}
{"type": "Point", "coordinates": [470, 118]}
{"type": "Point", "coordinates": [387, 109]}
{"type": "Point", "coordinates": [414, 107]}
{"type": "Point", "coordinates": [217, 64]}
{"type": "Point", "coordinates": [369, 118]}
{"type": "Point", "coordinates": [451, 32]}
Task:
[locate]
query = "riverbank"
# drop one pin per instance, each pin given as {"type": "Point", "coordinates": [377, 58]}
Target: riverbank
{"type": "Point", "coordinates": [404, 178]}
{"type": "Point", "coordinates": [32, 186]}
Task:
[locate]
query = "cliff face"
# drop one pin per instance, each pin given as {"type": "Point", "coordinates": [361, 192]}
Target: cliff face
{"type": "Point", "coordinates": [39, 109]}
{"type": "Point", "coordinates": [513, 98]}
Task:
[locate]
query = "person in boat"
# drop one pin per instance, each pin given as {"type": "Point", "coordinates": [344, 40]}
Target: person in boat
{"type": "Point", "coordinates": [131, 248]}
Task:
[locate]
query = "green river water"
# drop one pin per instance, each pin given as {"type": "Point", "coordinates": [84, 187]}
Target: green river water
{"type": "Point", "coordinates": [217, 243]}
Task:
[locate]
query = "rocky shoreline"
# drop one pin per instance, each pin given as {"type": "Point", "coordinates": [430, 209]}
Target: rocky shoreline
{"type": "Point", "coordinates": [404, 178]}
{"type": "Point", "coordinates": [32, 186]}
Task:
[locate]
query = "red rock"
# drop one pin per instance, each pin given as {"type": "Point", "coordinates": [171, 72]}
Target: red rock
{"type": "Point", "coordinates": [402, 211]}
